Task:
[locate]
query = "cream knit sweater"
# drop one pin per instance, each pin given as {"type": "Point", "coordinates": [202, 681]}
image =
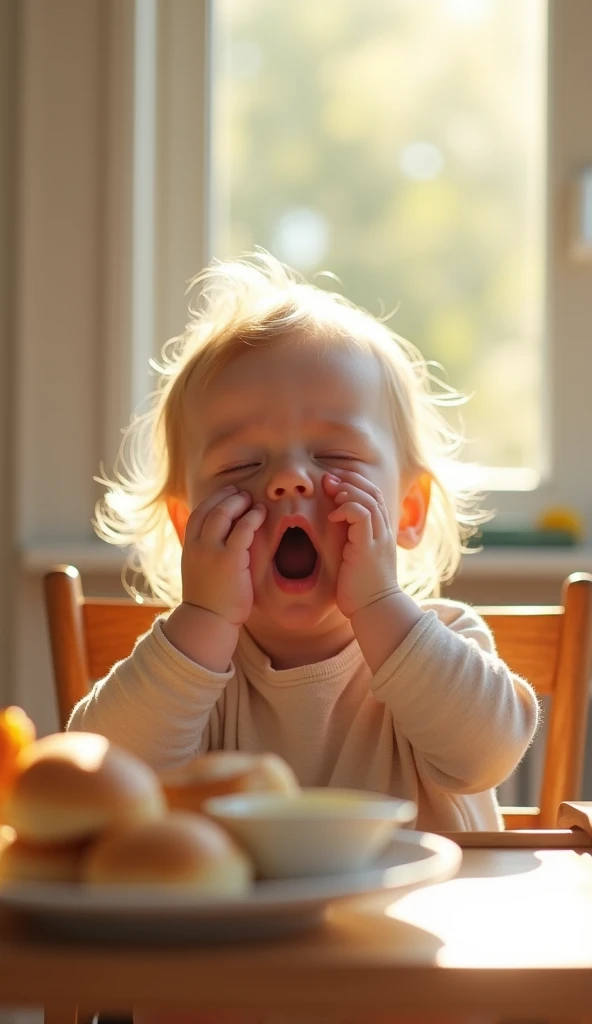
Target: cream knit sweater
{"type": "Point", "coordinates": [442, 722]}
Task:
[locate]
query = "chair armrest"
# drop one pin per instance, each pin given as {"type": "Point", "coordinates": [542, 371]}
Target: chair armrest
{"type": "Point", "coordinates": [575, 814]}
{"type": "Point", "coordinates": [533, 839]}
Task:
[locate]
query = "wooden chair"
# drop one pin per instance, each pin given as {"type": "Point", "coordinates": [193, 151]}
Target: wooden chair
{"type": "Point", "coordinates": [549, 646]}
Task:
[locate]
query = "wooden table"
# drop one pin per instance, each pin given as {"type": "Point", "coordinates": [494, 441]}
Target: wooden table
{"type": "Point", "coordinates": [511, 935]}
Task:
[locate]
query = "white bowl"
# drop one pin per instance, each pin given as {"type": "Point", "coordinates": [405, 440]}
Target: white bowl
{"type": "Point", "coordinates": [313, 831]}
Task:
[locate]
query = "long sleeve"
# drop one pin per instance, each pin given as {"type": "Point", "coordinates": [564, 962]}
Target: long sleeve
{"type": "Point", "coordinates": [468, 718]}
{"type": "Point", "coordinates": [156, 703]}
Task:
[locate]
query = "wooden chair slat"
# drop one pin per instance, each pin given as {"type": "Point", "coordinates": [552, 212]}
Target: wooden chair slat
{"type": "Point", "coordinates": [528, 639]}
{"type": "Point", "coordinates": [111, 629]}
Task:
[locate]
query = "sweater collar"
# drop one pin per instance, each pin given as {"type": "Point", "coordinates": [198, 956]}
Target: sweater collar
{"type": "Point", "coordinates": [343, 663]}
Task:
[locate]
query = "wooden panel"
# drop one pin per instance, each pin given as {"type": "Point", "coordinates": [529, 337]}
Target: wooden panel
{"type": "Point", "coordinates": [65, 601]}
{"type": "Point", "coordinates": [60, 1014]}
{"type": "Point", "coordinates": [566, 739]}
{"type": "Point", "coordinates": [528, 640]}
{"type": "Point", "coordinates": [576, 814]}
{"type": "Point", "coordinates": [111, 630]}
{"type": "Point", "coordinates": [522, 817]}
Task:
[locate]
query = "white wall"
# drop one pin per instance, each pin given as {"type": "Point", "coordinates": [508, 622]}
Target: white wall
{"type": "Point", "coordinates": [59, 310]}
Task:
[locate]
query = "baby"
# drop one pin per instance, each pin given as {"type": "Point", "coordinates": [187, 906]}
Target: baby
{"type": "Point", "coordinates": [293, 495]}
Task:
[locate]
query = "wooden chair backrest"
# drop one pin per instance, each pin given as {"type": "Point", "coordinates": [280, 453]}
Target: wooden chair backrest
{"type": "Point", "coordinates": [549, 646]}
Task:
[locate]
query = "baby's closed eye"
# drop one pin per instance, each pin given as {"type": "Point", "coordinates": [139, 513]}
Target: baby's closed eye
{"type": "Point", "coordinates": [239, 468]}
{"type": "Point", "coordinates": [338, 457]}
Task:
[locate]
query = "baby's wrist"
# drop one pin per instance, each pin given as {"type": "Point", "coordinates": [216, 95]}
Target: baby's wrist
{"type": "Point", "coordinates": [202, 635]}
{"type": "Point", "coordinates": [382, 625]}
{"type": "Point", "coordinates": [372, 603]}
{"type": "Point", "coordinates": [201, 611]}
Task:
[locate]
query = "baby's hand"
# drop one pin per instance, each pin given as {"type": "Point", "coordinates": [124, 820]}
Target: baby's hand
{"type": "Point", "coordinates": [369, 567]}
{"type": "Point", "coordinates": [215, 561]}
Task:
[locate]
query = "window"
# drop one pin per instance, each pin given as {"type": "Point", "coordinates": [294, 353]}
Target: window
{"type": "Point", "coordinates": [190, 71]}
{"type": "Point", "coordinates": [400, 144]}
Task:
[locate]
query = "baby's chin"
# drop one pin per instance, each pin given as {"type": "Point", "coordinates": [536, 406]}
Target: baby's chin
{"type": "Point", "coordinates": [297, 620]}
{"type": "Point", "coordinates": [294, 614]}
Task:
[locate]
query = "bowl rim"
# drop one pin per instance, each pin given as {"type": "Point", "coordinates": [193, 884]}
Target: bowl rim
{"type": "Point", "coordinates": [255, 806]}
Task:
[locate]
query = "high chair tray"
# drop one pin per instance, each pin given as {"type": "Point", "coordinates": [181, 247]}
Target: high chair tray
{"type": "Point", "coordinates": [156, 914]}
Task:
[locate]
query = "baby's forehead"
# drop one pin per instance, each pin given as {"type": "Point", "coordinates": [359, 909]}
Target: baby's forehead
{"type": "Point", "coordinates": [282, 361]}
{"type": "Point", "coordinates": [289, 387]}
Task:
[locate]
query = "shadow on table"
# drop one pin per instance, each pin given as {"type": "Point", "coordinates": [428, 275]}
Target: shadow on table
{"type": "Point", "coordinates": [497, 863]}
{"type": "Point", "coordinates": [365, 921]}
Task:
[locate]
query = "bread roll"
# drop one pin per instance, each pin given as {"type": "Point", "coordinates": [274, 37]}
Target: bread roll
{"type": "Point", "coordinates": [182, 849]}
{"type": "Point", "coordinates": [226, 771]}
{"type": "Point", "coordinates": [23, 862]}
{"type": "Point", "coordinates": [73, 786]}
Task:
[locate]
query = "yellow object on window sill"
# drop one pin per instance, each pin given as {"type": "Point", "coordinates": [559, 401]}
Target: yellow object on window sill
{"type": "Point", "coordinates": [561, 517]}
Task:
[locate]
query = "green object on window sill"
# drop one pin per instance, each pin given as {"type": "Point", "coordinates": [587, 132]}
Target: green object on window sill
{"type": "Point", "coordinates": [522, 538]}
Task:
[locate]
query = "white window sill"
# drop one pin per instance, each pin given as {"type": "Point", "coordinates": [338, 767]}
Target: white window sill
{"type": "Point", "coordinates": [87, 556]}
{"type": "Point", "coordinates": [530, 563]}
{"type": "Point", "coordinates": [534, 563]}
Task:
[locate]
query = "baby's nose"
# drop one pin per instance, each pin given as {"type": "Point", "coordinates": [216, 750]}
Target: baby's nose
{"type": "Point", "coordinates": [289, 480]}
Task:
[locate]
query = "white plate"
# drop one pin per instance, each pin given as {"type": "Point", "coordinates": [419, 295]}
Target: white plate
{"type": "Point", "coordinates": [159, 915]}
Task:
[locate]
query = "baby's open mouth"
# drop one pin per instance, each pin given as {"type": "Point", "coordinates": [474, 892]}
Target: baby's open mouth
{"type": "Point", "coordinates": [296, 556]}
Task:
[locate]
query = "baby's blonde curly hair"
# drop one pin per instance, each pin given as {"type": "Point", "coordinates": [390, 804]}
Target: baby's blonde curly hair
{"type": "Point", "coordinates": [252, 301]}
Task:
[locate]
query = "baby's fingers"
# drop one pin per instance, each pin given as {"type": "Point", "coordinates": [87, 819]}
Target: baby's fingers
{"type": "Point", "coordinates": [359, 499]}
{"type": "Point", "coordinates": [199, 514]}
{"type": "Point", "coordinates": [359, 520]}
{"type": "Point", "coordinates": [219, 521]}
{"type": "Point", "coordinates": [354, 487]}
{"type": "Point", "coordinates": [243, 532]}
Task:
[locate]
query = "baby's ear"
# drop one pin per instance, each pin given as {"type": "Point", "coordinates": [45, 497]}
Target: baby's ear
{"type": "Point", "coordinates": [179, 514]}
{"type": "Point", "coordinates": [414, 512]}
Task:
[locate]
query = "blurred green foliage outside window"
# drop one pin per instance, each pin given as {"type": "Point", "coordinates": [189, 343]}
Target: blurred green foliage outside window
{"type": "Point", "coordinates": [400, 144]}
